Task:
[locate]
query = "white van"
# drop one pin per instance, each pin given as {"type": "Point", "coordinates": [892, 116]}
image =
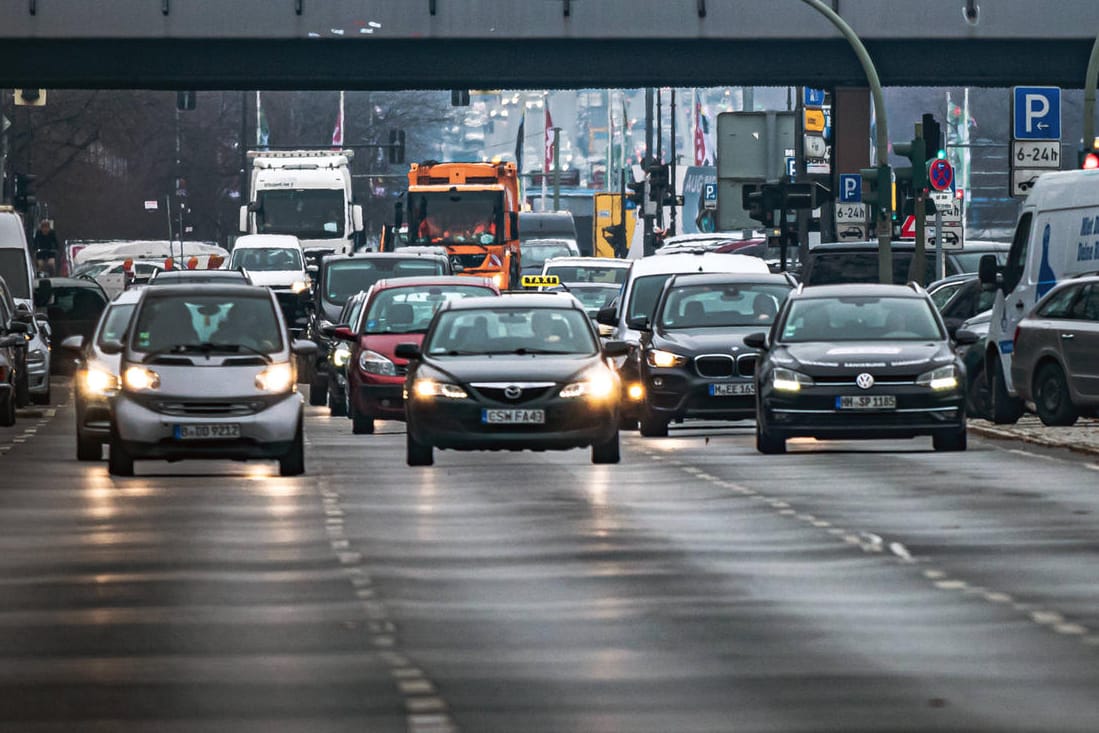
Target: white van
{"type": "Point", "coordinates": [1056, 238]}
{"type": "Point", "coordinates": [640, 292]}
{"type": "Point", "coordinates": [275, 261]}
{"type": "Point", "coordinates": [15, 260]}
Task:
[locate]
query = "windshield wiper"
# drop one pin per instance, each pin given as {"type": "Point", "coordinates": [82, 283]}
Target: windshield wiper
{"type": "Point", "coordinates": [211, 347]}
{"type": "Point", "coordinates": [524, 351]}
{"type": "Point", "coordinates": [174, 349]}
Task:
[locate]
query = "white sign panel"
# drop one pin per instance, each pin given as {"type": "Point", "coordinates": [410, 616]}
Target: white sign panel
{"type": "Point", "coordinates": [1023, 179]}
{"type": "Point", "coordinates": [953, 236]}
{"type": "Point", "coordinates": [150, 205]}
{"type": "Point", "coordinates": [948, 204]}
{"type": "Point", "coordinates": [850, 232]}
{"type": "Point", "coordinates": [1036, 154]}
{"type": "Point", "coordinates": [850, 213]}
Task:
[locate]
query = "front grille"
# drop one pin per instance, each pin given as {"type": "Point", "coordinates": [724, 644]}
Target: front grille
{"type": "Point", "coordinates": [746, 365]}
{"type": "Point", "coordinates": [848, 380]}
{"type": "Point", "coordinates": [209, 409]}
{"type": "Point", "coordinates": [497, 394]}
{"type": "Point", "coordinates": [715, 366]}
{"type": "Point", "coordinates": [469, 261]}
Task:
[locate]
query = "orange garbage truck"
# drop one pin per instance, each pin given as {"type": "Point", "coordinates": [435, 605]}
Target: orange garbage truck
{"type": "Point", "coordinates": [470, 209]}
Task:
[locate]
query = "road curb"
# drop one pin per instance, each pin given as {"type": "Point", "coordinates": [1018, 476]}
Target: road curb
{"type": "Point", "coordinates": [1008, 434]}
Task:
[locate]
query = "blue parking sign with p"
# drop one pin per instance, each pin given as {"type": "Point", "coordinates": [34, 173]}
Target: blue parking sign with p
{"type": "Point", "coordinates": [709, 192]}
{"type": "Point", "coordinates": [850, 188]}
{"type": "Point", "coordinates": [1036, 113]}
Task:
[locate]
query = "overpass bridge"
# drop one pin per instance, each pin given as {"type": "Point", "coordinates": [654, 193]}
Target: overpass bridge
{"type": "Point", "coordinates": [421, 44]}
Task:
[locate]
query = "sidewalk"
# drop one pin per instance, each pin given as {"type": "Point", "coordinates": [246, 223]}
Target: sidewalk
{"type": "Point", "coordinates": [1082, 437]}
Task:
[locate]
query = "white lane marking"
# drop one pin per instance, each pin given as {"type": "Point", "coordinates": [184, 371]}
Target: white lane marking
{"type": "Point", "coordinates": [1092, 466]}
{"type": "Point", "coordinates": [900, 551]}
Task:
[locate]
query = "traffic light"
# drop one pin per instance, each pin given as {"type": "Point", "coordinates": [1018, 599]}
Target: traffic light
{"type": "Point", "coordinates": [616, 238]}
{"type": "Point", "coordinates": [637, 193]}
{"type": "Point", "coordinates": [916, 152]}
{"type": "Point", "coordinates": [22, 194]}
{"type": "Point", "coordinates": [760, 201]}
{"type": "Point", "coordinates": [877, 188]}
{"type": "Point", "coordinates": [396, 147]}
{"type": "Point", "coordinates": [933, 137]}
{"type": "Point", "coordinates": [659, 182]}
{"type": "Point", "coordinates": [808, 195]}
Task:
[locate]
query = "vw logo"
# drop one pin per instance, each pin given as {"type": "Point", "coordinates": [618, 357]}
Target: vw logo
{"type": "Point", "coordinates": [864, 380]}
{"type": "Point", "coordinates": [513, 392]}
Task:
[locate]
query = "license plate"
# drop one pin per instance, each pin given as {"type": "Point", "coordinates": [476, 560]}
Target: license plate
{"type": "Point", "coordinates": [732, 389]}
{"type": "Point", "coordinates": [207, 431]}
{"type": "Point", "coordinates": [513, 417]}
{"type": "Point", "coordinates": [867, 402]}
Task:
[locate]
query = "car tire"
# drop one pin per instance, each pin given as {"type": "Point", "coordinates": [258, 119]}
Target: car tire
{"type": "Point", "coordinates": [22, 390]}
{"type": "Point", "coordinates": [768, 443]}
{"type": "Point", "coordinates": [292, 463]}
{"type": "Point", "coordinates": [607, 452]}
{"type": "Point", "coordinates": [1052, 398]}
{"type": "Point", "coordinates": [417, 453]}
{"type": "Point", "coordinates": [950, 442]}
{"type": "Point", "coordinates": [1004, 409]}
{"type": "Point", "coordinates": [626, 422]}
{"type": "Point", "coordinates": [361, 424]}
{"type": "Point", "coordinates": [318, 390]}
{"type": "Point", "coordinates": [7, 409]}
{"type": "Point", "coordinates": [977, 396]}
{"type": "Point", "coordinates": [44, 398]}
{"type": "Point", "coordinates": [88, 449]}
{"type": "Point", "coordinates": [653, 427]}
{"type": "Point", "coordinates": [119, 460]}
{"type": "Point", "coordinates": [337, 405]}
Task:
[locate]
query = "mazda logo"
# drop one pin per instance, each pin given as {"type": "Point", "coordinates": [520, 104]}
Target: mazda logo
{"type": "Point", "coordinates": [864, 380]}
{"type": "Point", "coordinates": [513, 392]}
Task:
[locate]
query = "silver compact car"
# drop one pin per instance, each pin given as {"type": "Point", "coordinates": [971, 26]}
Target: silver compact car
{"type": "Point", "coordinates": [207, 372]}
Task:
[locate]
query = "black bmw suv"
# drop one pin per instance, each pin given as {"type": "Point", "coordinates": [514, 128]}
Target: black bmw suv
{"type": "Point", "coordinates": [859, 361]}
{"type": "Point", "coordinates": [694, 363]}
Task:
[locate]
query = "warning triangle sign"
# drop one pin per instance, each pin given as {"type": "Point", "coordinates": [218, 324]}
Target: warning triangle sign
{"type": "Point", "coordinates": [908, 229]}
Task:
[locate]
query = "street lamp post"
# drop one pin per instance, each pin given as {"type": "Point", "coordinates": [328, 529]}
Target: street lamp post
{"type": "Point", "coordinates": [885, 221]}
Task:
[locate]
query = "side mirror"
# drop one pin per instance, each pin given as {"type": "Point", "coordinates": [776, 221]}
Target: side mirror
{"type": "Point", "coordinates": [19, 327]}
{"type": "Point", "coordinates": [607, 316]}
{"type": "Point", "coordinates": [111, 346]}
{"type": "Point", "coordinates": [756, 341]}
{"type": "Point", "coordinates": [343, 333]}
{"type": "Point", "coordinates": [243, 223]}
{"type": "Point", "coordinates": [22, 315]}
{"type": "Point", "coordinates": [357, 217]}
{"type": "Point", "coordinates": [303, 347]}
{"type": "Point", "coordinates": [987, 271]}
{"type": "Point", "coordinates": [407, 351]}
{"type": "Point", "coordinates": [639, 323]}
{"type": "Point", "coordinates": [312, 270]}
{"type": "Point", "coordinates": [73, 343]}
{"type": "Point", "coordinates": [965, 337]}
{"type": "Point", "coordinates": [612, 349]}
{"type": "Point", "coordinates": [7, 342]}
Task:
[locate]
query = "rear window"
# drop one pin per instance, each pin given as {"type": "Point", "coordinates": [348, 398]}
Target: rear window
{"type": "Point", "coordinates": [837, 268]}
{"type": "Point", "coordinates": [588, 273]}
{"type": "Point", "coordinates": [13, 268]}
{"type": "Point", "coordinates": [345, 278]}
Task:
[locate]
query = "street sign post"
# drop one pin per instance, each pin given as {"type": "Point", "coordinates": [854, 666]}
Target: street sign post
{"type": "Point", "coordinates": [709, 196]}
{"type": "Point", "coordinates": [850, 220]}
{"type": "Point", "coordinates": [1035, 135]}
{"type": "Point", "coordinates": [850, 188]}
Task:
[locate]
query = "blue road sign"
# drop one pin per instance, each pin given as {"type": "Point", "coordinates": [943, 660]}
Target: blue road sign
{"type": "Point", "coordinates": [709, 192]}
{"type": "Point", "coordinates": [850, 188]}
{"type": "Point", "coordinates": [940, 174]}
{"type": "Point", "coordinates": [791, 166]}
{"type": "Point", "coordinates": [1036, 112]}
{"type": "Point", "coordinates": [813, 97]}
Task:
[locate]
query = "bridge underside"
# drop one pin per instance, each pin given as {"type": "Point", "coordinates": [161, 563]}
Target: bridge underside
{"type": "Point", "coordinates": [493, 64]}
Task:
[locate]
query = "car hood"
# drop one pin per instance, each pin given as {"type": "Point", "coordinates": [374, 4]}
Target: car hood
{"type": "Point", "coordinates": [511, 368]}
{"type": "Point", "coordinates": [694, 341]}
{"type": "Point", "coordinates": [276, 278]}
{"type": "Point", "coordinates": [884, 357]}
{"type": "Point", "coordinates": [386, 343]}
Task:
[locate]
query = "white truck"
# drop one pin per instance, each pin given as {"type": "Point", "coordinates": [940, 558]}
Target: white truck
{"type": "Point", "coordinates": [304, 193]}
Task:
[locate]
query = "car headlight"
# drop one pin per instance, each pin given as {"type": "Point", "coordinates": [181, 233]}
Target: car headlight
{"type": "Point", "coordinates": [941, 379]}
{"type": "Point", "coordinates": [340, 356]}
{"type": "Point", "coordinates": [276, 378]}
{"type": "Point", "coordinates": [372, 362]}
{"type": "Point", "coordinates": [664, 359]}
{"type": "Point", "coordinates": [428, 388]}
{"type": "Point", "coordinates": [636, 392]}
{"type": "Point", "coordinates": [36, 356]}
{"type": "Point", "coordinates": [299, 286]}
{"type": "Point", "coordinates": [787, 380]}
{"type": "Point", "coordinates": [498, 280]}
{"type": "Point", "coordinates": [98, 381]}
{"type": "Point", "coordinates": [598, 385]}
{"type": "Point", "coordinates": [138, 378]}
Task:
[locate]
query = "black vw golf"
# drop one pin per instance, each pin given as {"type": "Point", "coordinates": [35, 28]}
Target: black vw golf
{"type": "Point", "coordinates": [859, 361]}
{"type": "Point", "coordinates": [511, 373]}
{"type": "Point", "coordinates": [694, 363]}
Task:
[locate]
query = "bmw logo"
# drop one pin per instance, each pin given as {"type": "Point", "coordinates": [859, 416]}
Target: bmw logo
{"type": "Point", "coordinates": [864, 380]}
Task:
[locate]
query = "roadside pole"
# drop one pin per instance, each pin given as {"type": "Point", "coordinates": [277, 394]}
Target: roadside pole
{"type": "Point", "coordinates": [557, 169]}
{"type": "Point", "coordinates": [881, 147]}
{"type": "Point", "coordinates": [940, 261]}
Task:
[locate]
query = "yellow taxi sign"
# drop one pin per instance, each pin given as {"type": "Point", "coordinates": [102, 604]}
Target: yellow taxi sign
{"type": "Point", "coordinates": [540, 281]}
{"type": "Point", "coordinates": [814, 120]}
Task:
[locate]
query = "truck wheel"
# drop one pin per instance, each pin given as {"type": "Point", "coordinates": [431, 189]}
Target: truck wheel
{"type": "Point", "coordinates": [1005, 409]}
{"type": "Point", "coordinates": [1052, 398]}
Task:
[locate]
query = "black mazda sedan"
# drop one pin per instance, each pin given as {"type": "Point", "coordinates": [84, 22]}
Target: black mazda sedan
{"type": "Point", "coordinates": [694, 363]}
{"type": "Point", "coordinates": [511, 373]}
{"type": "Point", "coordinates": [859, 361]}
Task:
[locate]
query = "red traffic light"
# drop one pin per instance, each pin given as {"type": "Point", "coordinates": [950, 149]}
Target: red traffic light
{"type": "Point", "coordinates": [1091, 161]}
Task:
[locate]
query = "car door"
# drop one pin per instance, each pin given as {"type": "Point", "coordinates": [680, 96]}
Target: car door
{"type": "Point", "coordinates": [1068, 335]}
{"type": "Point", "coordinates": [1080, 344]}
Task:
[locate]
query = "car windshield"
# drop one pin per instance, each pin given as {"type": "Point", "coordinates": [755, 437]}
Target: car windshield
{"type": "Point", "coordinates": [304, 213]}
{"type": "Point", "coordinates": [588, 273]}
{"type": "Point", "coordinates": [860, 318]}
{"type": "Point", "coordinates": [197, 277]}
{"type": "Point", "coordinates": [91, 269]}
{"type": "Point", "coordinates": [344, 278]}
{"type": "Point", "coordinates": [13, 268]}
{"type": "Point", "coordinates": [267, 258]}
{"type": "Point", "coordinates": [535, 254]}
{"type": "Point", "coordinates": [466, 217]}
{"type": "Point", "coordinates": [75, 304]}
{"type": "Point", "coordinates": [511, 331]}
{"type": "Point", "coordinates": [214, 322]}
{"type": "Point", "coordinates": [410, 310]}
{"type": "Point", "coordinates": [836, 268]}
{"type": "Point", "coordinates": [116, 319]}
{"type": "Point", "coordinates": [971, 261]}
{"type": "Point", "coordinates": [722, 305]}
